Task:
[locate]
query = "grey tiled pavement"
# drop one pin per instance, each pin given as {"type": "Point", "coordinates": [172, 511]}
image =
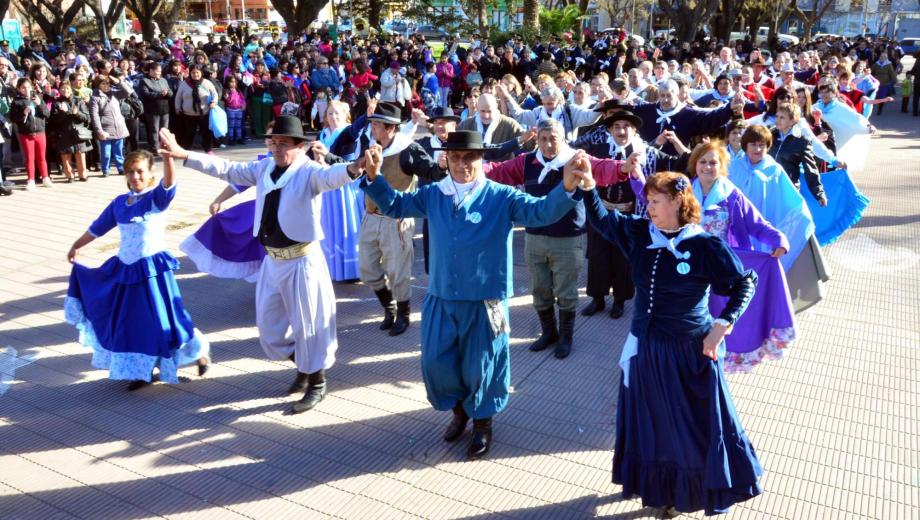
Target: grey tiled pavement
{"type": "Point", "coordinates": [836, 422]}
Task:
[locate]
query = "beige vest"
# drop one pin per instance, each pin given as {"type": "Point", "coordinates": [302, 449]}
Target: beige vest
{"type": "Point", "coordinates": [395, 177]}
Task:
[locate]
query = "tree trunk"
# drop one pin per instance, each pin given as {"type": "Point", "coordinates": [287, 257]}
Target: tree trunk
{"type": "Point", "coordinates": [297, 14]}
{"type": "Point", "coordinates": [532, 14]}
{"type": "Point", "coordinates": [168, 18]}
{"type": "Point", "coordinates": [373, 13]}
{"type": "Point", "coordinates": [55, 22]}
{"type": "Point", "coordinates": [112, 14]}
{"type": "Point", "coordinates": [4, 7]}
{"type": "Point", "coordinates": [145, 11]}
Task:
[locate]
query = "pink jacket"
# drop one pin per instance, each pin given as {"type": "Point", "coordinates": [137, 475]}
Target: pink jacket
{"type": "Point", "coordinates": [445, 73]}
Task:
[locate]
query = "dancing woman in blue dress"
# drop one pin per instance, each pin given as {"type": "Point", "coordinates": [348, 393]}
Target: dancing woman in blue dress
{"type": "Point", "coordinates": [129, 310]}
{"type": "Point", "coordinates": [679, 443]}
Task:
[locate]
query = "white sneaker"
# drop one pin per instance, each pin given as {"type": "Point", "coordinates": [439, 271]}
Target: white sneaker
{"type": "Point", "coordinates": [47, 182]}
{"type": "Point", "coordinates": [30, 186]}
{"type": "Point", "coordinates": [222, 145]}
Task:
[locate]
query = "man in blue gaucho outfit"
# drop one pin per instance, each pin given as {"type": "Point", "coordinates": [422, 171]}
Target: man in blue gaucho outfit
{"type": "Point", "coordinates": [465, 327]}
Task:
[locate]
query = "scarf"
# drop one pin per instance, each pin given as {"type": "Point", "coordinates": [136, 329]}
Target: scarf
{"type": "Point", "coordinates": [400, 142]}
{"type": "Point", "coordinates": [719, 191]}
{"type": "Point", "coordinates": [720, 97]}
{"type": "Point", "coordinates": [638, 146]}
{"type": "Point", "coordinates": [328, 137]}
{"type": "Point", "coordinates": [269, 185]}
{"type": "Point", "coordinates": [659, 240]}
{"type": "Point", "coordinates": [665, 117]}
{"type": "Point", "coordinates": [196, 95]}
{"type": "Point", "coordinates": [565, 155]}
{"type": "Point", "coordinates": [461, 194]}
{"type": "Point", "coordinates": [487, 136]}
{"type": "Point", "coordinates": [557, 114]}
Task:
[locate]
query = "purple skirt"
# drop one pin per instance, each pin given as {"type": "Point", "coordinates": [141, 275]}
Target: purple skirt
{"type": "Point", "coordinates": [767, 327]}
{"type": "Point", "coordinates": [224, 246]}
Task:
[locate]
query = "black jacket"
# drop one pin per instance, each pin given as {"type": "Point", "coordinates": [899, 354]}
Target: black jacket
{"type": "Point", "coordinates": [795, 156]}
{"type": "Point", "coordinates": [151, 93]}
{"type": "Point", "coordinates": [34, 121]}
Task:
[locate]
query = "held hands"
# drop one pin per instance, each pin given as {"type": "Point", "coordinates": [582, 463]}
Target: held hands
{"type": "Point", "coordinates": [318, 149]}
{"type": "Point", "coordinates": [442, 161]}
{"type": "Point", "coordinates": [529, 135]}
{"type": "Point", "coordinates": [418, 116]}
{"type": "Point", "coordinates": [371, 106]}
{"type": "Point", "coordinates": [738, 102]}
{"type": "Point", "coordinates": [373, 159]}
{"type": "Point", "coordinates": [169, 148]}
{"type": "Point", "coordinates": [632, 166]}
{"type": "Point", "coordinates": [577, 173]}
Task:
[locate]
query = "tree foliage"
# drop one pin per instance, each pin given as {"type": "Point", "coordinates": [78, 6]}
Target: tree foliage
{"type": "Point", "coordinates": [813, 16]}
{"type": "Point", "coordinates": [688, 16]}
{"type": "Point", "coordinates": [557, 21]}
{"type": "Point", "coordinates": [51, 15]}
{"type": "Point", "coordinates": [110, 16]}
{"type": "Point", "coordinates": [298, 14]}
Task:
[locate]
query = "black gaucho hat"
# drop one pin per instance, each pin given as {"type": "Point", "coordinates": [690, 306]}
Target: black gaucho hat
{"type": "Point", "coordinates": [288, 126]}
{"type": "Point", "coordinates": [623, 115]}
{"type": "Point", "coordinates": [443, 113]}
{"type": "Point", "coordinates": [611, 104]}
{"type": "Point", "coordinates": [387, 113]}
{"type": "Point", "coordinates": [464, 140]}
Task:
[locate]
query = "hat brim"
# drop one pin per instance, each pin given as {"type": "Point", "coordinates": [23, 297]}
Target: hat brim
{"type": "Point", "coordinates": [632, 118]}
{"type": "Point", "coordinates": [465, 148]}
{"type": "Point", "coordinates": [295, 137]}
{"type": "Point", "coordinates": [455, 119]}
{"type": "Point", "coordinates": [385, 119]}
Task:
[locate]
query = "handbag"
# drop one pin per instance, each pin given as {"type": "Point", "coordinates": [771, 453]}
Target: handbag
{"type": "Point", "coordinates": [81, 133]}
{"type": "Point", "coordinates": [217, 121]}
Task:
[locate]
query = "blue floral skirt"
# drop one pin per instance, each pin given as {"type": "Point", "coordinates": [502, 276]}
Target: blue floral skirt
{"type": "Point", "coordinates": [678, 439]}
{"type": "Point", "coordinates": [132, 316]}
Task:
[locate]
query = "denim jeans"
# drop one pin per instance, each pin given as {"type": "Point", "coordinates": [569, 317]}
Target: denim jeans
{"type": "Point", "coordinates": [112, 149]}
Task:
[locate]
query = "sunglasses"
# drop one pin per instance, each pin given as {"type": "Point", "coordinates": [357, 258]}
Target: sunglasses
{"type": "Point", "coordinates": [824, 88]}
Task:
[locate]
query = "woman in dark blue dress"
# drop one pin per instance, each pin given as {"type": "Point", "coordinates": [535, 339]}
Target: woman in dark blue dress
{"type": "Point", "coordinates": [679, 443]}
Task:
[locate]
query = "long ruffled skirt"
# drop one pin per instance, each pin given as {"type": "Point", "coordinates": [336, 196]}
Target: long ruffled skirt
{"type": "Point", "coordinates": [224, 246]}
{"type": "Point", "coordinates": [679, 441]}
{"type": "Point", "coordinates": [343, 209]}
{"type": "Point", "coordinates": [132, 316]}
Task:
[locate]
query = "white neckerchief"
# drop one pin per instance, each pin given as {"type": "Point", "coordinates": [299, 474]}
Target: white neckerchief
{"type": "Point", "coordinates": [665, 117]}
{"type": "Point", "coordinates": [637, 144]}
{"type": "Point", "coordinates": [435, 143]}
{"type": "Point", "coordinates": [487, 138]}
{"type": "Point", "coordinates": [269, 185]}
{"type": "Point", "coordinates": [659, 240]}
{"type": "Point", "coordinates": [564, 156]}
{"type": "Point", "coordinates": [399, 143]}
{"type": "Point", "coordinates": [557, 114]}
{"type": "Point", "coordinates": [719, 191]}
{"type": "Point", "coordinates": [460, 193]}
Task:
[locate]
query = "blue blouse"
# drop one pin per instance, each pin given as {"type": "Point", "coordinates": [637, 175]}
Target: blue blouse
{"type": "Point", "coordinates": [672, 299]}
{"type": "Point", "coordinates": [141, 220]}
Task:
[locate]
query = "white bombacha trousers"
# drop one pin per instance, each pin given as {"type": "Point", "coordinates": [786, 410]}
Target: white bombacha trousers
{"type": "Point", "coordinates": [295, 311]}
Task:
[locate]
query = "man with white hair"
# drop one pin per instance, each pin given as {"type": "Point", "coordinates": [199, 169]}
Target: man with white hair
{"type": "Point", "coordinates": [554, 252]}
{"type": "Point", "coordinates": [554, 107]}
{"type": "Point", "coordinates": [669, 113]}
{"type": "Point", "coordinates": [494, 128]}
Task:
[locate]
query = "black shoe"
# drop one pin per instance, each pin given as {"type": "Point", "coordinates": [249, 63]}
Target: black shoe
{"type": "Point", "coordinates": [617, 310]}
{"type": "Point", "coordinates": [482, 439]}
{"type": "Point", "coordinates": [6, 190]}
{"type": "Point", "coordinates": [137, 384]}
{"type": "Point", "coordinates": [548, 335]}
{"type": "Point", "coordinates": [670, 512]}
{"type": "Point", "coordinates": [299, 384]}
{"type": "Point", "coordinates": [566, 329]}
{"type": "Point", "coordinates": [311, 398]}
{"type": "Point", "coordinates": [596, 306]}
{"type": "Point", "coordinates": [389, 308]}
{"type": "Point", "coordinates": [402, 318]}
{"type": "Point", "coordinates": [457, 424]}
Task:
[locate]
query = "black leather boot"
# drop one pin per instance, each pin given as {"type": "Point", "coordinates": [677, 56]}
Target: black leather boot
{"type": "Point", "coordinates": [299, 384]}
{"type": "Point", "coordinates": [316, 392]}
{"type": "Point", "coordinates": [482, 439]}
{"type": "Point", "coordinates": [457, 424]}
{"type": "Point", "coordinates": [402, 318]}
{"type": "Point", "coordinates": [549, 334]}
{"type": "Point", "coordinates": [617, 310]}
{"type": "Point", "coordinates": [596, 306]}
{"type": "Point", "coordinates": [566, 329]}
{"type": "Point", "coordinates": [389, 308]}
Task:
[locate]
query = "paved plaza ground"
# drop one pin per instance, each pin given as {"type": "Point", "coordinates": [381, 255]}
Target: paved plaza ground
{"type": "Point", "coordinates": [836, 423]}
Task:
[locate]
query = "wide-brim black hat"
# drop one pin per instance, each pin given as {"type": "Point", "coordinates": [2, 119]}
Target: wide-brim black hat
{"type": "Point", "coordinates": [443, 113]}
{"type": "Point", "coordinates": [464, 140]}
{"type": "Point", "coordinates": [623, 115]}
{"type": "Point", "coordinates": [387, 113]}
{"type": "Point", "coordinates": [288, 126]}
{"type": "Point", "coordinates": [610, 104]}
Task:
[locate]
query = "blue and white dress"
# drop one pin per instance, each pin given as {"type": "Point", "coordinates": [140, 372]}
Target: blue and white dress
{"type": "Point", "coordinates": [129, 310]}
{"type": "Point", "coordinates": [343, 210]}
